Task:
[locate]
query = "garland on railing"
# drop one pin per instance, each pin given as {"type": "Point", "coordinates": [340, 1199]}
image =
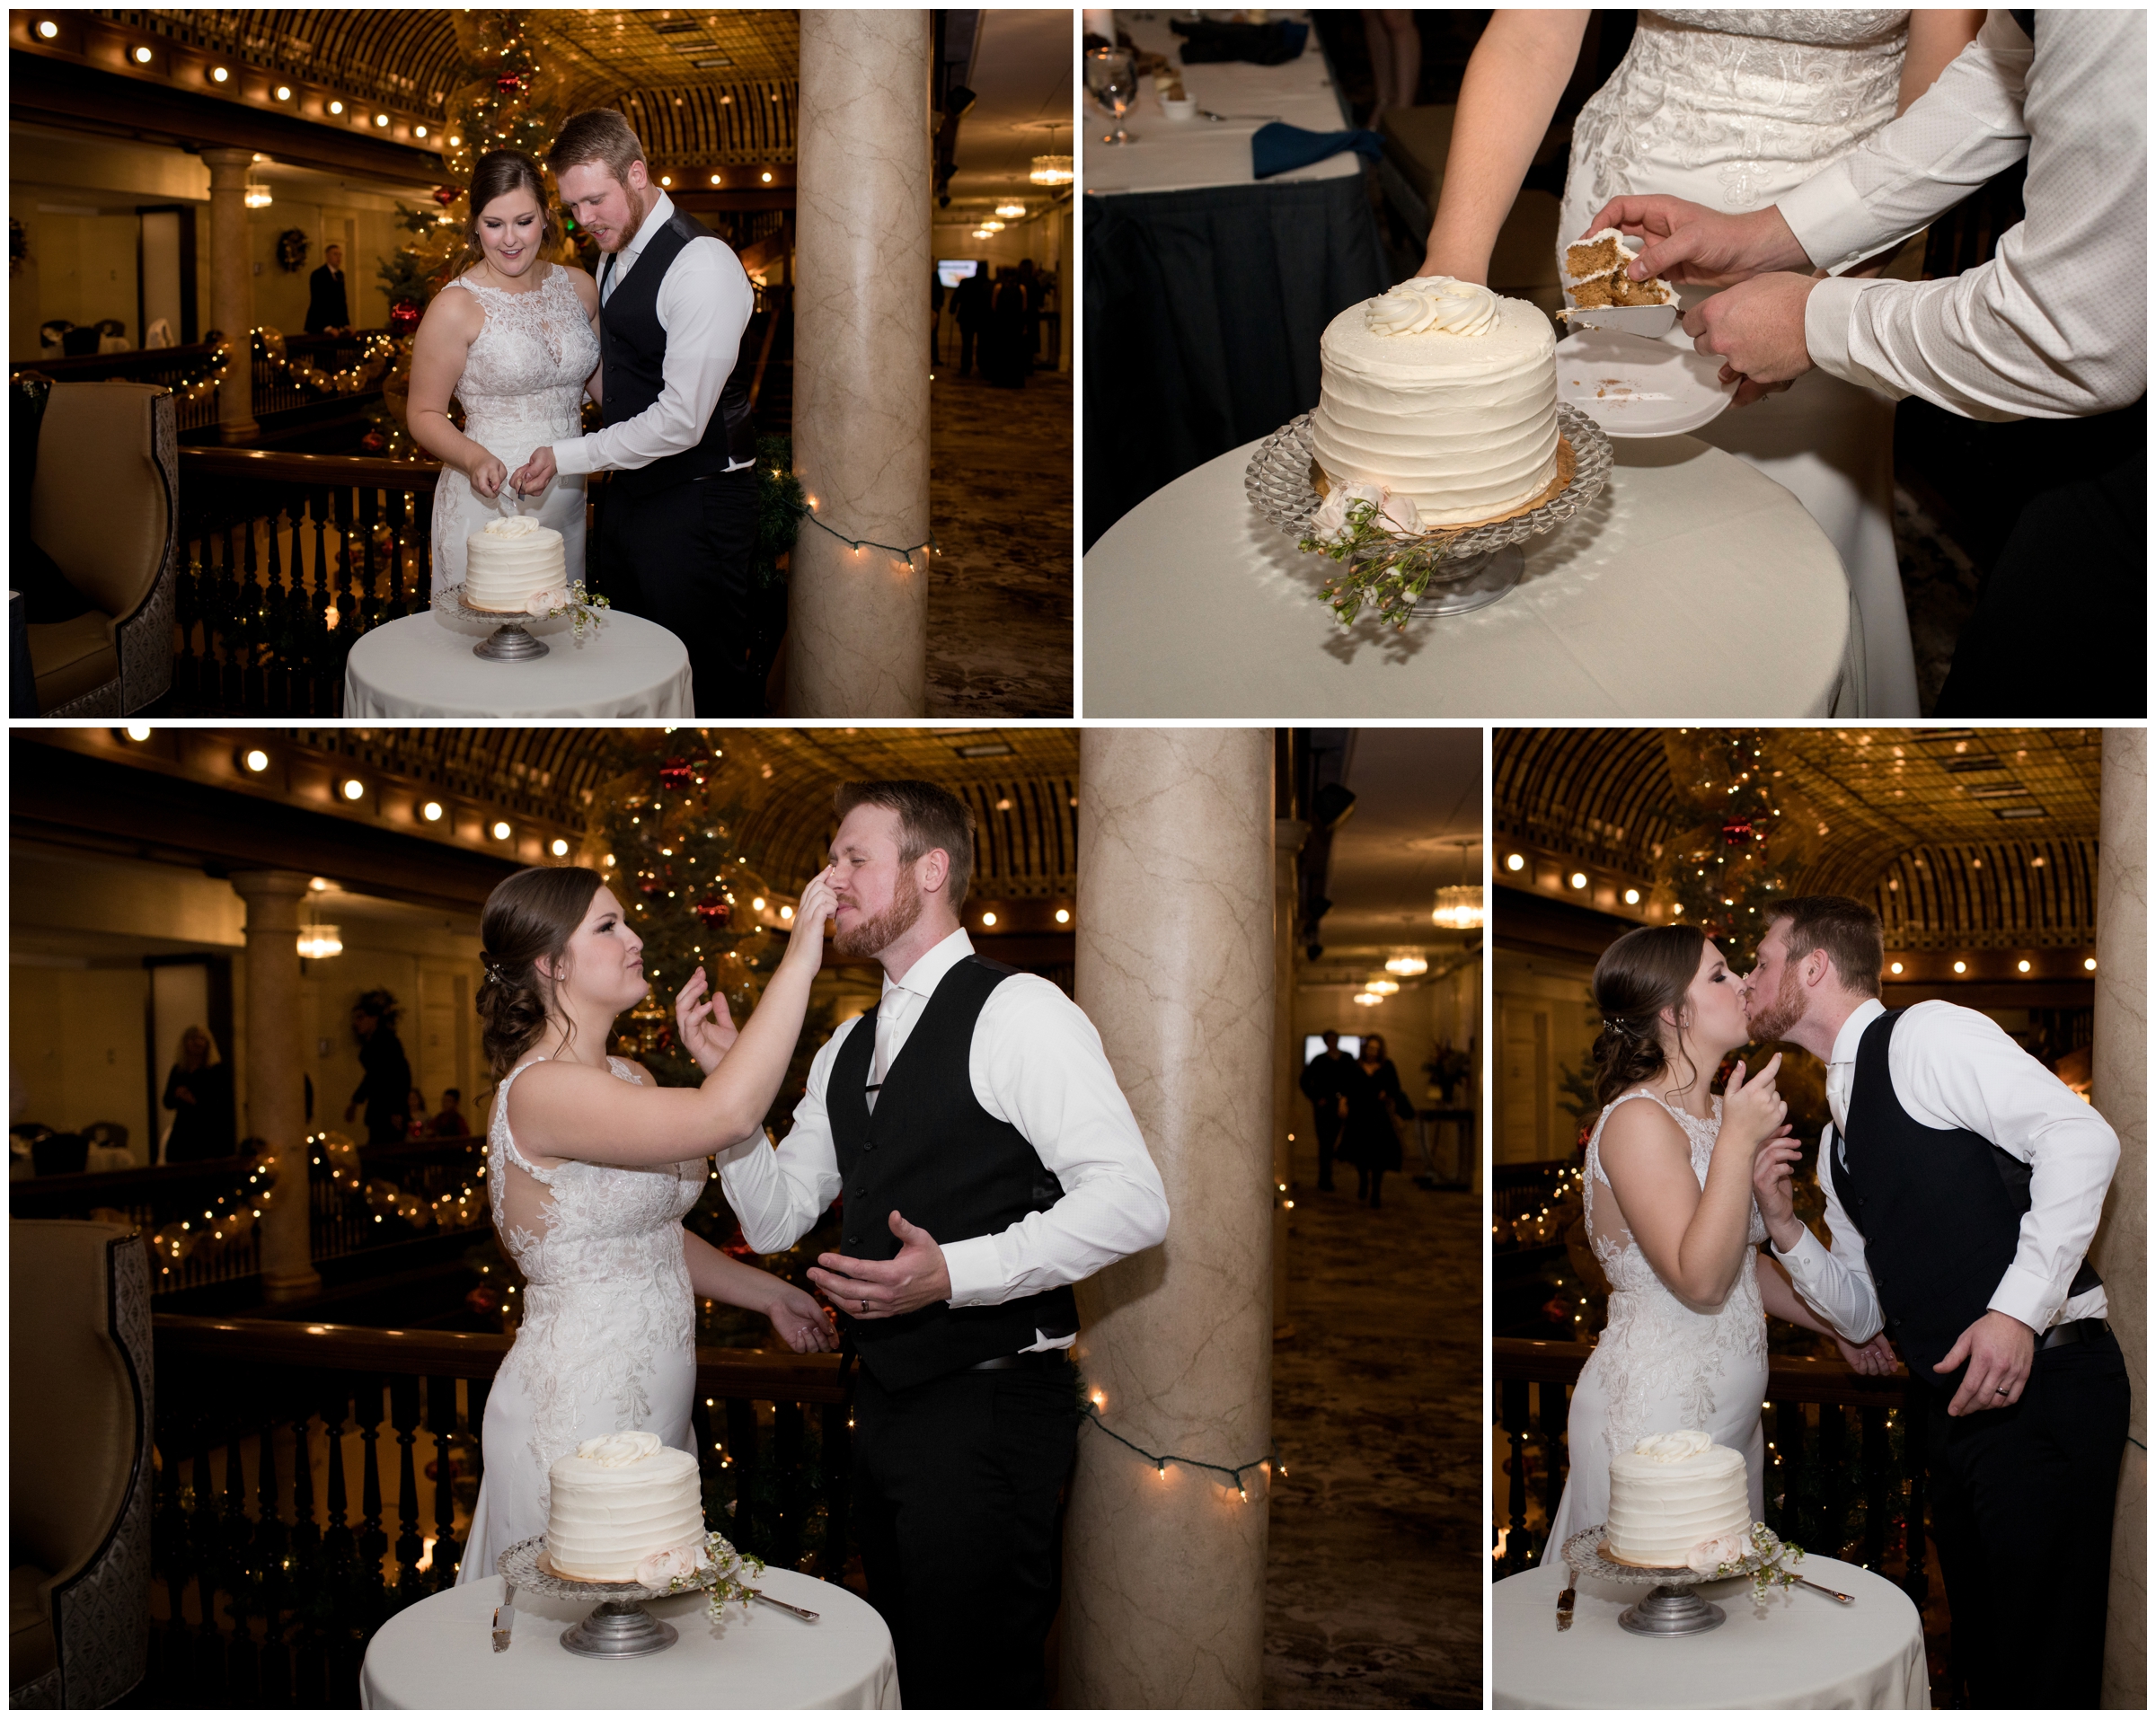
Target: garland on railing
{"type": "Point", "coordinates": [226, 1221]}
{"type": "Point", "coordinates": [363, 372]}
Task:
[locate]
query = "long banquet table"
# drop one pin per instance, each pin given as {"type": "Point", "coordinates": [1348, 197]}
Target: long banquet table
{"type": "Point", "coordinates": [1205, 290]}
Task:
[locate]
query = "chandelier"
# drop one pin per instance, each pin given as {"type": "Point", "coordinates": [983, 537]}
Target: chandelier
{"type": "Point", "coordinates": [1053, 170]}
{"type": "Point", "coordinates": [319, 943]}
{"type": "Point", "coordinates": [1382, 987]}
{"type": "Point", "coordinates": [1459, 906]}
{"type": "Point", "coordinates": [1408, 965]}
{"type": "Point", "coordinates": [1011, 211]}
{"type": "Point", "coordinates": [258, 196]}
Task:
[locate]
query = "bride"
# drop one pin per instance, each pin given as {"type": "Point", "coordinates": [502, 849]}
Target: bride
{"type": "Point", "coordinates": [590, 1168]}
{"type": "Point", "coordinates": [1730, 110]}
{"type": "Point", "coordinates": [519, 347]}
{"type": "Point", "coordinates": [1671, 1219]}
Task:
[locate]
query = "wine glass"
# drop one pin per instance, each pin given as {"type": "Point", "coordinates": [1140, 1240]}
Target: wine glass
{"type": "Point", "coordinates": [1112, 73]}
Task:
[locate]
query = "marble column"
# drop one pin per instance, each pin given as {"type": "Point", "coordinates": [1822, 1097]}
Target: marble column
{"type": "Point", "coordinates": [1164, 1573]}
{"type": "Point", "coordinates": [2120, 1092]}
{"type": "Point", "coordinates": [858, 640]}
{"type": "Point", "coordinates": [276, 1101]}
{"type": "Point", "coordinates": [231, 289]}
{"type": "Point", "coordinates": [1288, 1108]}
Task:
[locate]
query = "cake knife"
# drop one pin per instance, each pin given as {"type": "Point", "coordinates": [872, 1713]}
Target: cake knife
{"type": "Point", "coordinates": [505, 1619]}
{"type": "Point", "coordinates": [799, 1612]}
{"type": "Point", "coordinates": [1846, 1599]}
{"type": "Point", "coordinates": [1564, 1609]}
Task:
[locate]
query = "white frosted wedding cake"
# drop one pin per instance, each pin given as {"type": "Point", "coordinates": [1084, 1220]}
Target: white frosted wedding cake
{"type": "Point", "coordinates": [1674, 1493]}
{"type": "Point", "coordinates": [620, 1505]}
{"type": "Point", "coordinates": [1444, 392]}
{"type": "Point", "coordinates": [509, 562]}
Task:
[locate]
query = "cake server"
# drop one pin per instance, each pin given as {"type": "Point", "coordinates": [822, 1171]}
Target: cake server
{"type": "Point", "coordinates": [1846, 1599]}
{"type": "Point", "coordinates": [799, 1612]}
{"type": "Point", "coordinates": [1564, 1609]}
{"type": "Point", "coordinates": [505, 1619]}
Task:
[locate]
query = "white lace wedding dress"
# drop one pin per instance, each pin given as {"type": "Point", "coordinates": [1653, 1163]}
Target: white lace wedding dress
{"type": "Point", "coordinates": [1732, 110]}
{"type": "Point", "coordinates": [1662, 1364]}
{"type": "Point", "coordinates": [607, 1341]}
{"type": "Point", "coordinates": [523, 388]}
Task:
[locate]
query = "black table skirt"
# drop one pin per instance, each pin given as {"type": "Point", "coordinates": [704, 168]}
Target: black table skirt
{"type": "Point", "coordinates": [1203, 311]}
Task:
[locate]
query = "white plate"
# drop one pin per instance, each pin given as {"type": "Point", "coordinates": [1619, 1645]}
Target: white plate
{"type": "Point", "coordinates": [1632, 386]}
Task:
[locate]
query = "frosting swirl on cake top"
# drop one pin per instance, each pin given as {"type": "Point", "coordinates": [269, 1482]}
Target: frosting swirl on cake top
{"type": "Point", "coordinates": [1672, 1447]}
{"type": "Point", "coordinates": [619, 1449]}
{"type": "Point", "coordinates": [1435, 302]}
{"type": "Point", "coordinates": [514, 525]}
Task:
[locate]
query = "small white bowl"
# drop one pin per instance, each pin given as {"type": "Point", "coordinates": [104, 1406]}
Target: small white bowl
{"type": "Point", "coordinates": [1184, 109]}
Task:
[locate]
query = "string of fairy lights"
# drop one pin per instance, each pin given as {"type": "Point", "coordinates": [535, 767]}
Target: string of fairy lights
{"type": "Point", "coordinates": [269, 351]}
{"type": "Point", "coordinates": [1269, 1464]}
{"type": "Point", "coordinates": [857, 544]}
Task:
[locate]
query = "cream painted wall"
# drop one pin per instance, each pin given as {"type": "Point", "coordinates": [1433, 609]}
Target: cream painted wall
{"type": "Point", "coordinates": [81, 267]}
{"type": "Point", "coordinates": [1527, 1121]}
{"type": "Point", "coordinates": [76, 1048]}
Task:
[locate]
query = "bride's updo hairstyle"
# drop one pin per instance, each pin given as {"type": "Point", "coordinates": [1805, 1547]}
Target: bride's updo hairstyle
{"type": "Point", "coordinates": [496, 173]}
{"type": "Point", "coordinates": [528, 919]}
{"type": "Point", "coordinates": [1641, 975]}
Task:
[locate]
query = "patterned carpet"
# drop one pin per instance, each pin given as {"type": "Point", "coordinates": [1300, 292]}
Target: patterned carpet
{"type": "Point", "coordinates": [1000, 600]}
{"type": "Point", "coordinates": [1375, 1579]}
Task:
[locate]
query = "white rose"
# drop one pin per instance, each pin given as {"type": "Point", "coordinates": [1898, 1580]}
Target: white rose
{"type": "Point", "coordinates": [674, 1564]}
{"type": "Point", "coordinates": [547, 600]}
{"type": "Point", "coordinates": [1710, 1556]}
{"type": "Point", "coordinates": [1399, 513]}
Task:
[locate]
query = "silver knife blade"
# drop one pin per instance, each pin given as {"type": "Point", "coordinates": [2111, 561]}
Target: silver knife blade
{"type": "Point", "coordinates": [1564, 1609]}
{"type": "Point", "coordinates": [799, 1612]}
{"type": "Point", "coordinates": [505, 1619]}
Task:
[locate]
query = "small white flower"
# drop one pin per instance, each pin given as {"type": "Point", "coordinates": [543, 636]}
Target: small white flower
{"type": "Point", "coordinates": [1330, 523]}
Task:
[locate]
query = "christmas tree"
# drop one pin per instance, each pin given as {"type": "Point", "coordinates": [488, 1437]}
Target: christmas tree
{"type": "Point", "coordinates": [1723, 872]}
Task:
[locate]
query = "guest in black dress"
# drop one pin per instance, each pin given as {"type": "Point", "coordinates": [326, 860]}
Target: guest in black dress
{"type": "Point", "coordinates": [971, 305]}
{"type": "Point", "coordinates": [199, 1093]}
{"type": "Point", "coordinates": [386, 1087]}
{"type": "Point", "coordinates": [1372, 1139]}
{"type": "Point", "coordinates": [1007, 333]}
{"type": "Point", "coordinates": [1323, 1084]}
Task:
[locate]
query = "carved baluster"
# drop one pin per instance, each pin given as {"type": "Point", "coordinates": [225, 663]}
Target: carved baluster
{"type": "Point", "coordinates": [186, 604]}
{"type": "Point", "coordinates": [250, 627]}
{"type": "Point", "coordinates": [404, 1417]}
{"type": "Point", "coordinates": [838, 1470]}
{"type": "Point", "coordinates": [441, 1421]}
{"type": "Point", "coordinates": [1878, 1479]}
{"type": "Point", "coordinates": [741, 1462]}
{"type": "Point", "coordinates": [275, 634]}
{"type": "Point", "coordinates": [374, 1544]}
{"type": "Point", "coordinates": [370, 605]}
{"type": "Point", "coordinates": [423, 538]}
{"type": "Point", "coordinates": [790, 1471]}
{"type": "Point", "coordinates": [306, 1532]}
{"type": "Point", "coordinates": [1518, 1555]}
{"type": "Point", "coordinates": [1916, 1408]}
{"type": "Point", "coordinates": [1556, 1413]}
{"type": "Point", "coordinates": [231, 693]}
{"type": "Point", "coordinates": [397, 609]}
{"type": "Point", "coordinates": [238, 1530]}
{"type": "Point", "coordinates": [338, 1551]}
{"type": "Point", "coordinates": [207, 1544]}
{"type": "Point", "coordinates": [1834, 1482]}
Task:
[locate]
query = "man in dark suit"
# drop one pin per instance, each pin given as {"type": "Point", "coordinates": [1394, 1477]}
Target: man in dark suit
{"type": "Point", "coordinates": [1325, 1084]}
{"type": "Point", "coordinates": [327, 310]}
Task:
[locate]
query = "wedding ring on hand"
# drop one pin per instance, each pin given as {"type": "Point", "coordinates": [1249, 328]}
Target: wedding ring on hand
{"type": "Point", "coordinates": [864, 1304]}
{"type": "Point", "coordinates": [2002, 1391]}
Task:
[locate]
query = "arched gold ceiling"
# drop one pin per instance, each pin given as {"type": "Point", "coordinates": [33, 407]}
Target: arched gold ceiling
{"type": "Point", "coordinates": [1961, 836]}
{"type": "Point", "coordinates": [715, 86]}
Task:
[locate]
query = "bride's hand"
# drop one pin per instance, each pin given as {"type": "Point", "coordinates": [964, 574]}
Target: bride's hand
{"type": "Point", "coordinates": [801, 1322]}
{"type": "Point", "coordinates": [1751, 1110]}
{"type": "Point", "coordinates": [487, 474]}
{"type": "Point", "coordinates": [818, 902]}
{"type": "Point", "coordinates": [705, 1026]}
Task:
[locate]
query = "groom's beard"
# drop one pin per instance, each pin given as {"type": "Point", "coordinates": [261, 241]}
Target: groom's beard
{"type": "Point", "coordinates": [1772, 1025]}
{"type": "Point", "coordinates": [873, 935]}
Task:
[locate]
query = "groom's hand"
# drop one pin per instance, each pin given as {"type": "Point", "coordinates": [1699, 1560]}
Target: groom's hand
{"type": "Point", "coordinates": [1689, 244]}
{"type": "Point", "coordinates": [2000, 1350]}
{"type": "Point", "coordinates": [1758, 328]}
{"type": "Point", "coordinates": [535, 473]}
{"type": "Point", "coordinates": [883, 1289]}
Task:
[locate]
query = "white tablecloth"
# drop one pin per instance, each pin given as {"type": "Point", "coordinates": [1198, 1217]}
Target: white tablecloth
{"type": "Point", "coordinates": [440, 1653]}
{"type": "Point", "coordinates": [1692, 586]}
{"type": "Point", "coordinates": [423, 666]}
{"type": "Point", "coordinates": [1806, 1651]}
{"type": "Point", "coordinates": [1190, 154]}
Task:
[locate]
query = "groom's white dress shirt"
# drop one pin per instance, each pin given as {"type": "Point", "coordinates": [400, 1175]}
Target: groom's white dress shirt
{"type": "Point", "coordinates": [1955, 1067]}
{"type": "Point", "coordinates": [704, 304]}
{"type": "Point", "coordinates": [1036, 1064]}
{"type": "Point", "coordinates": [2055, 324]}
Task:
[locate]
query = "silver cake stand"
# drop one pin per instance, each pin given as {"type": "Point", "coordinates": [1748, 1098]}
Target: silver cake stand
{"type": "Point", "coordinates": [620, 1628]}
{"type": "Point", "coordinates": [1475, 567]}
{"type": "Point", "coordinates": [1672, 1608]}
{"type": "Point", "coordinates": [508, 642]}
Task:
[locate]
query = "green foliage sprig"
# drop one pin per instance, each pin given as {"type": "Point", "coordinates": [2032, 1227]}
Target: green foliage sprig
{"type": "Point", "coordinates": [1377, 567]}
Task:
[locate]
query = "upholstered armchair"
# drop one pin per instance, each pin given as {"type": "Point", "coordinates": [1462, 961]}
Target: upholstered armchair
{"type": "Point", "coordinates": [79, 1463]}
{"type": "Point", "coordinates": [105, 506]}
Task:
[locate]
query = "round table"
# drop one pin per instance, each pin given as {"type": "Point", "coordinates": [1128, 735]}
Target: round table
{"type": "Point", "coordinates": [1690, 586]}
{"type": "Point", "coordinates": [423, 666]}
{"type": "Point", "coordinates": [1806, 1651]}
{"type": "Point", "coordinates": [440, 1653]}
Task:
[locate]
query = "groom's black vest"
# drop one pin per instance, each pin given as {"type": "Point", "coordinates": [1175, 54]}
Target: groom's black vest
{"type": "Point", "coordinates": [1940, 1210]}
{"type": "Point", "coordinates": [929, 1151]}
{"type": "Point", "coordinates": [632, 346]}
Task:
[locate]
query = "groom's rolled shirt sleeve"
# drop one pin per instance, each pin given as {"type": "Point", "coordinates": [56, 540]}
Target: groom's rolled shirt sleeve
{"type": "Point", "coordinates": [705, 305]}
{"type": "Point", "coordinates": [780, 1194]}
{"type": "Point", "coordinates": [1037, 1063]}
{"type": "Point", "coordinates": [1835, 1284]}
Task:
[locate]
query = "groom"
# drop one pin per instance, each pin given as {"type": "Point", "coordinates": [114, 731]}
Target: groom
{"type": "Point", "coordinates": [987, 1161]}
{"type": "Point", "coordinates": [677, 530]}
{"type": "Point", "coordinates": [1964, 1182]}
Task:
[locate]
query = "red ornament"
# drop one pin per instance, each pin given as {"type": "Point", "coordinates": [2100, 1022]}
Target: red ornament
{"type": "Point", "coordinates": [736, 1246]}
{"type": "Point", "coordinates": [1735, 831]}
{"type": "Point", "coordinates": [675, 774]}
{"type": "Point", "coordinates": [714, 910]}
{"type": "Point", "coordinates": [510, 82]}
{"type": "Point", "coordinates": [648, 886]}
{"type": "Point", "coordinates": [374, 441]}
{"type": "Point", "coordinates": [405, 315]}
{"type": "Point", "coordinates": [445, 195]}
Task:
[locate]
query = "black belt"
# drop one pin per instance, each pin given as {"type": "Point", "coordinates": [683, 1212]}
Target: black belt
{"type": "Point", "coordinates": [2074, 1331]}
{"type": "Point", "coordinates": [1032, 1358]}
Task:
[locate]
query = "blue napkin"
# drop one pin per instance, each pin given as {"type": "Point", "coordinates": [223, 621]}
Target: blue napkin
{"type": "Point", "coordinates": [1275, 149]}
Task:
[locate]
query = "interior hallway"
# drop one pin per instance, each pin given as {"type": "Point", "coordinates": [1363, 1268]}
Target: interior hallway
{"type": "Point", "coordinates": [1374, 1590]}
{"type": "Point", "coordinates": [1000, 637]}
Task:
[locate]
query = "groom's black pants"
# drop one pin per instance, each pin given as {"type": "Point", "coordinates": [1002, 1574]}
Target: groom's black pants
{"type": "Point", "coordinates": [958, 1487]}
{"type": "Point", "coordinates": [683, 557]}
{"type": "Point", "coordinates": [2021, 1505]}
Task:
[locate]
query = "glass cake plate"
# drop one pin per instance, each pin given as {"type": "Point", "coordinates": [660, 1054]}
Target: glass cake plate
{"type": "Point", "coordinates": [1672, 1608]}
{"type": "Point", "coordinates": [508, 642]}
{"type": "Point", "coordinates": [620, 1628]}
{"type": "Point", "coordinates": [1476, 565]}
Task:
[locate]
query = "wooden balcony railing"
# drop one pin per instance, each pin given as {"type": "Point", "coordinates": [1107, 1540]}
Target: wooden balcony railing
{"type": "Point", "coordinates": [285, 1534]}
{"type": "Point", "coordinates": [1845, 1456]}
{"type": "Point", "coordinates": [180, 367]}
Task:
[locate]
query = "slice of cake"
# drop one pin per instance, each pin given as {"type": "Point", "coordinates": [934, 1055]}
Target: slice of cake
{"type": "Point", "coordinates": [1441, 392]}
{"type": "Point", "coordinates": [622, 1502]}
{"type": "Point", "coordinates": [509, 562]}
{"type": "Point", "coordinates": [1594, 277]}
{"type": "Point", "coordinates": [1673, 1492]}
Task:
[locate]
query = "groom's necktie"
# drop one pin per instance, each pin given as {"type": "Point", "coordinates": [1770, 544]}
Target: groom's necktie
{"type": "Point", "coordinates": [1838, 1076]}
{"type": "Point", "coordinates": [606, 276]}
{"type": "Point", "coordinates": [891, 1014]}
